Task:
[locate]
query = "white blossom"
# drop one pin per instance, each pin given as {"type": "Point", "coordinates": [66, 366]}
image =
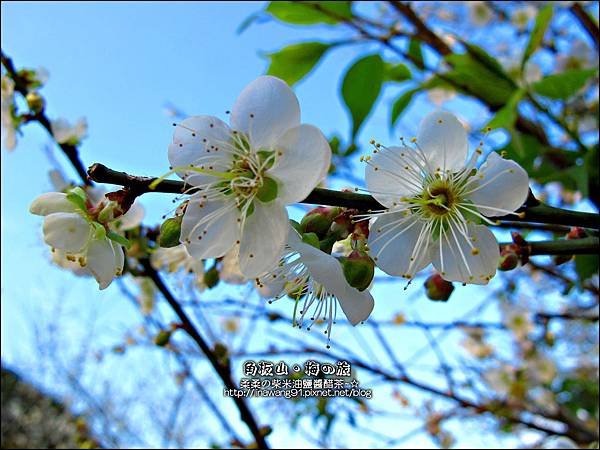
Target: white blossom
{"type": "Point", "coordinates": [65, 133]}
{"type": "Point", "coordinates": [7, 91]}
{"type": "Point", "coordinates": [78, 241]}
{"type": "Point", "coordinates": [315, 280]}
{"type": "Point", "coordinates": [479, 13]}
{"type": "Point", "coordinates": [244, 176]}
{"type": "Point", "coordinates": [176, 259]}
{"type": "Point", "coordinates": [435, 200]}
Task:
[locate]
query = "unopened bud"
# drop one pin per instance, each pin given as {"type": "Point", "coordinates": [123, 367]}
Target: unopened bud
{"type": "Point", "coordinates": [576, 233]}
{"type": "Point", "coordinates": [35, 102]}
{"type": "Point", "coordinates": [163, 337]}
{"type": "Point", "coordinates": [343, 224]}
{"type": "Point", "coordinates": [311, 239]}
{"type": "Point", "coordinates": [359, 270]}
{"type": "Point", "coordinates": [517, 238]}
{"type": "Point", "coordinates": [170, 232]}
{"type": "Point", "coordinates": [438, 289]}
{"type": "Point", "coordinates": [509, 259]}
{"type": "Point", "coordinates": [211, 277]}
{"type": "Point", "coordinates": [318, 220]}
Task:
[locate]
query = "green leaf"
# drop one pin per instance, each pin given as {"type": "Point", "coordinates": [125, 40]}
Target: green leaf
{"type": "Point", "coordinates": [473, 78]}
{"type": "Point", "coordinates": [415, 53]}
{"type": "Point", "coordinates": [586, 266]}
{"type": "Point", "coordinates": [248, 21]}
{"type": "Point", "coordinates": [506, 116]}
{"type": "Point", "coordinates": [487, 60]}
{"type": "Point", "coordinates": [579, 174]}
{"type": "Point", "coordinates": [563, 85]}
{"type": "Point", "coordinates": [294, 62]}
{"type": "Point", "coordinates": [537, 34]}
{"type": "Point", "coordinates": [361, 87]}
{"type": "Point", "coordinates": [170, 232]}
{"type": "Point", "coordinates": [400, 105]}
{"type": "Point", "coordinates": [119, 239]}
{"type": "Point", "coordinates": [396, 72]}
{"type": "Point", "coordinates": [310, 13]}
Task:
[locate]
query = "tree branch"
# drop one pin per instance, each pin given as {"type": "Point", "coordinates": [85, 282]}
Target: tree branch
{"type": "Point", "coordinates": [533, 210]}
{"type": "Point", "coordinates": [586, 22]}
{"type": "Point", "coordinates": [69, 150]}
{"type": "Point", "coordinates": [222, 370]}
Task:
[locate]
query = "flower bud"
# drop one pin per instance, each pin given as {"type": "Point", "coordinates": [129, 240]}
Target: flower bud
{"type": "Point", "coordinates": [35, 102]}
{"type": "Point", "coordinates": [211, 277]}
{"type": "Point", "coordinates": [319, 220]}
{"type": "Point", "coordinates": [342, 225]}
{"type": "Point", "coordinates": [438, 289]}
{"type": "Point", "coordinates": [170, 232]}
{"type": "Point", "coordinates": [163, 337]}
{"type": "Point", "coordinates": [509, 259]}
{"type": "Point", "coordinates": [576, 233]}
{"type": "Point", "coordinates": [517, 238]}
{"type": "Point", "coordinates": [359, 270]}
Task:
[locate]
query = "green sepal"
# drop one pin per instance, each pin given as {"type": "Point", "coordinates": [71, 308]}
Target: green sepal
{"type": "Point", "coordinates": [115, 237]}
{"type": "Point", "coordinates": [263, 156]}
{"type": "Point", "coordinates": [268, 191]}
{"type": "Point", "coordinates": [99, 230]}
{"type": "Point", "coordinates": [78, 197]}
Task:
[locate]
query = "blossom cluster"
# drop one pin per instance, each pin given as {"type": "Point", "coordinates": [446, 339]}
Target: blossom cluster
{"type": "Point", "coordinates": [436, 199]}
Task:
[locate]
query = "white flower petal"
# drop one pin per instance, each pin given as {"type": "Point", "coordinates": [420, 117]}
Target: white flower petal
{"type": "Point", "coordinates": [443, 139]}
{"type": "Point", "coordinates": [504, 186]}
{"type": "Point", "coordinates": [119, 257]}
{"type": "Point", "coordinates": [392, 241]}
{"type": "Point", "coordinates": [265, 110]}
{"type": "Point", "coordinates": [102, 262]}
{"type": "Point", "coordinates": [209, 229]}
{"type": "Point", "coordinates": [203, 141]}
{"type": "Point", "coordinates": [230, 269]}
{"type": "Point", "coordinates": [390, 175]}
{"type": "Point", "coordinates": [304, 155]}
{"type": "Point", "coordinates": [51, 202]}
{"type": "Point", "coordinates": [327, 271]}
{"type": "Point", "coordinates": [453, 257]}
{"type": "Point", "coordinates": [263, 238]}
{"type": "Point", "coordinates": [66, 231]}
{"type": "Point", "coordinates": [131, 218]}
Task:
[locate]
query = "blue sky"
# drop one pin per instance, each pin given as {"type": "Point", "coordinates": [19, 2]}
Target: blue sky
{"type": "Point", "coordinates": [118, 64]}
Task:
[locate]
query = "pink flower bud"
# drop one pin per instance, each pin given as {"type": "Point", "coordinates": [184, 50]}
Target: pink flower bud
{"type": "Point", "coordinates": [576, 233]}
{"type": "Point", "coordinates": [438, 289]}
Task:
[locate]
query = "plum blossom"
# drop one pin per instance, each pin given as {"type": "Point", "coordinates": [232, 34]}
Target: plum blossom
{"type": "Point", "coordinates": [7, 92]}
{"type": "Point", "coordinates": [315, 280]}
{"type": "Point", "coordinates": [242, 177]}
{"type": "Point", "coordinates": [435, 200]}
{"type": "Point", "coordinates": [175, 259]}
{"type": "Point", "coordinates": [82, 234]}
{"type": "Point", "coordinates": [65, 133]}
{"type": "Point", "coordinates": [479, 13]}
